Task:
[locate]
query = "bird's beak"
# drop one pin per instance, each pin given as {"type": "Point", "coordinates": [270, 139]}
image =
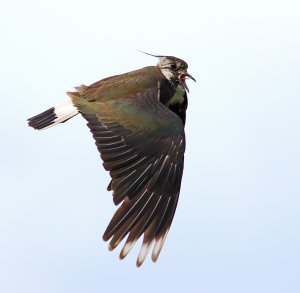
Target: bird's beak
{"type": "Point", "coordinates": [189, 76]}
{"type": "Point", "coordinates": [182, 79]}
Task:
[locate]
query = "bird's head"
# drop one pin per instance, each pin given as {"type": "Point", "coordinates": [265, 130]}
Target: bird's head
{"type": "Point", "coordinates": [174, 69]}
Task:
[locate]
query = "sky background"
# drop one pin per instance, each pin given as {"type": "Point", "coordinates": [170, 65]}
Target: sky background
{"type": "Point", "coordinates": [237, 225]}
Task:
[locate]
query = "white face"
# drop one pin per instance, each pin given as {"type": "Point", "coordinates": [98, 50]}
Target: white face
{"type": "Point", "coordinates": [172, 68]}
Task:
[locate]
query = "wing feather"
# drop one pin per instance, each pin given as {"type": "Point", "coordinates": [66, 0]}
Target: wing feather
{"type": "Point", "coordinates": [141, 143]}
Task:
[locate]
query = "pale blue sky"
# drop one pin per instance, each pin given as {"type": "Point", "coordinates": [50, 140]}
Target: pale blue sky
{"type": "Point", "coordinates": [237, 224]}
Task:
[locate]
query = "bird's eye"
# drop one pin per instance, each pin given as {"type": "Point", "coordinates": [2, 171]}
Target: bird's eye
{"type": "Point", "coordinates": [173, 66]}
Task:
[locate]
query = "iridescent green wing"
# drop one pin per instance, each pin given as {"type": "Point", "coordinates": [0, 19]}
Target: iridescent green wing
{"type": "Point", "coordinates": [142, 145]}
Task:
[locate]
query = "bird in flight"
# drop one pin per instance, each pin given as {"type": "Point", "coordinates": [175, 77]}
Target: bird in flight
{"type": "Point", "coordinates": [137, 120]}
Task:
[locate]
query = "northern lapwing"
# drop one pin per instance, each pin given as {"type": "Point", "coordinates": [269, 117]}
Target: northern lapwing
{"type": "Point", "coordinates": [137, 120]}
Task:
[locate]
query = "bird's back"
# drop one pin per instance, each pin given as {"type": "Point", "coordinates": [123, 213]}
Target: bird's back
{"type": "Point", "coordinates": [118, 86]}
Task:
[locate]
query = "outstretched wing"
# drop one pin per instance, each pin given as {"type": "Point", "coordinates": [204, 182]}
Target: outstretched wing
{"type": "Point", "coordinates": [142, 145]}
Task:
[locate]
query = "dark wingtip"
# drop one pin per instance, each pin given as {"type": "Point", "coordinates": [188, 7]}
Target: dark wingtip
{"type": "Point", "coordinates": [109, 188]}
{"type": "Point", "coordinates": [105, 236]}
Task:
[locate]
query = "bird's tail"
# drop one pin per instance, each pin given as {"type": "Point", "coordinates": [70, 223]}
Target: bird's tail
{"type": "Point", "coordinates": [60, 113]}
